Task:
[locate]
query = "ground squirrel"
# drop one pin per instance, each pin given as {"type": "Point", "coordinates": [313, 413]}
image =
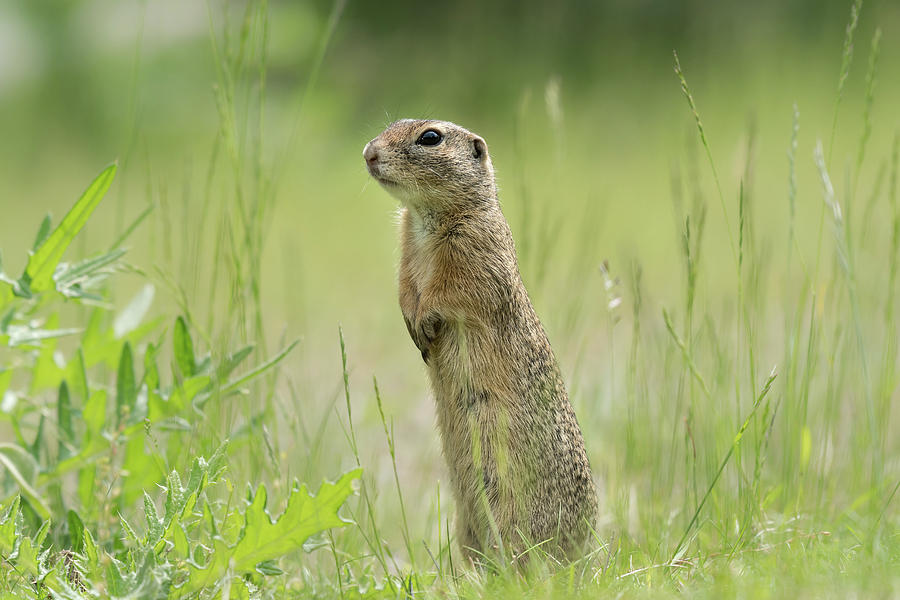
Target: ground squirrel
{"type": "Point", "coordinates": [515, 453]}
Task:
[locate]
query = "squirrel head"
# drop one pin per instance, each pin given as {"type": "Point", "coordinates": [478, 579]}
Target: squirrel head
{"type": "Point", "coordinates": [432, 165]}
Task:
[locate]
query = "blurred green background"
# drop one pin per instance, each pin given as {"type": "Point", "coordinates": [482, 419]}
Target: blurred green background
{"type": "Point", "coordinates": [84, 83]}
{"type": "Point", "coordinates": [208, 109]}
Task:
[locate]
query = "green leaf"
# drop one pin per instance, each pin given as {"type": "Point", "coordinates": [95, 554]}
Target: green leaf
{"type": "Point", "coordinates": [175, 497]}
{"type": "Point", "coordinates": [126, 389]}
{"type": "Point", "coordinates": [74, 280]}
{"type": "Point", "coordinates": [87, 478]}
{"type": "Point", "coordinates": [43, 232]}
{"type": "Point", "coordinates": [154, 525]}
{"type": "Point", "coordinates": [42, 263]}
{"type": "Point", "coordinates": [9, 529]}
{"type": "Point", "coordinates": [263, 540]}
{"type": "Point", "coordinates": [64, 421]}
{"type": "Point", "coordinates": [269, 568]}
{"type": "Point", "coordinates": [178, 538]}
{"type": "Point", "coordinates": [232, 361]}
{"type": "Point", "coordinates": [189, 389]}
{"type": "Point", "coordinates": [41, 535]}
{"type": "Point", "coordinates": [76, 531]}
{"type": "Point", "coordinates": [184, 349]}
{"type": "Point", "coordinates": [128, 529]}
{"type": "Point", "coordinates": [151, 372]}
{"type": "Point", "coordinates": [22, 467]}
{"type": "Point", "coordinates": [94, 413]}
{"type": "Point", "coordinates": [232, 386]}
{"type": "Point", "coordinates": [114, 579]}
{"type": "Point", "coordinates": [28, 561]}
{"type": "Point", "coordinates": [76, 376]}
{"type": "Point", "coordinates": [34, 449]}
{"type": "Point", "coordinates": [91, 553]}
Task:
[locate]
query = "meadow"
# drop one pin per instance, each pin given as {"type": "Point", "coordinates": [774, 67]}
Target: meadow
{"type": "Point", "coordinates": [207, 387]}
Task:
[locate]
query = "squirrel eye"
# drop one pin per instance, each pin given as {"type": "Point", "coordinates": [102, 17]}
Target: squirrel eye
{"type": "Point", "coordinates": [429, 138]}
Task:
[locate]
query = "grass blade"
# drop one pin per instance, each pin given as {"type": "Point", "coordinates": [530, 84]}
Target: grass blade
{"type": "Point", "coordinates": [232, 386]}
{"type": "Point", "coordinates": [846, 61]}
{"type": "Point", "coordinates": [734, 444]}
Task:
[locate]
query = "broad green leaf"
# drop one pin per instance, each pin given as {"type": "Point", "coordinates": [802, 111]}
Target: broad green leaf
{"type": "Point", "coordinates": [76, 531]}
{"type": "Point", "coordinates": [91, 552]}
{"type": "Point", "coordinates": [126, 389]}
{"type": "Point", "coordinates": [231, 526]}
{"type": "Point", "coordinates": [118, 587]}
{"type": "Point", "coordinates": [42, 263]}
{"type": "Point", "coordinates": [131, 316]}
{"type": "Point", "coordinates": [22, 468]}
{"type": "Point", "coordinates": [263, 539]}
{"type": "Point", "coordinates": [27, 561]}
{"type": "Point", "coordinates": [269, 568]}
{"type": "Point", "coordinates": [9, 529]}
{"type": "Point", "coordinates": [184, 349]}
{"type": "Point", "coordinates": [176, 535]}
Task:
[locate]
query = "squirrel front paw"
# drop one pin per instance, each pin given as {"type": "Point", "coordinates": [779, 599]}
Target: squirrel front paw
{"type": "Point", "coordinates": [424, 331]}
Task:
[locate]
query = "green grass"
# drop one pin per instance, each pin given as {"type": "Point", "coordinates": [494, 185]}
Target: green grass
{"type": "Point", "coordinates": [734, 378]}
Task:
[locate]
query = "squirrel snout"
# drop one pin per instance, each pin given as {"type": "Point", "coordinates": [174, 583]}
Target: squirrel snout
{"type": "Point", "coordinates": [370, 153]}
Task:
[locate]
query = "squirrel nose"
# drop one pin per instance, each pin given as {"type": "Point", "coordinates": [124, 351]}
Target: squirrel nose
{"type": "Point", "coordinates": [370, 153]}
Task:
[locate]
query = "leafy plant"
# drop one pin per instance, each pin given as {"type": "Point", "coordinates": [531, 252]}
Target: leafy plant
{"type": "Point", "coordinates": [93, 402]}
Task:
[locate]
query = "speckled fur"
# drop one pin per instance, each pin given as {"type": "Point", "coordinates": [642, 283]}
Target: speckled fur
{"type": "Point", "coordinates": [510, 437]}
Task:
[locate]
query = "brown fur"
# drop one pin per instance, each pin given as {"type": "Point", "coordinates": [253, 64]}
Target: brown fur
{"type": "Point", "coordinates": [510, 438]}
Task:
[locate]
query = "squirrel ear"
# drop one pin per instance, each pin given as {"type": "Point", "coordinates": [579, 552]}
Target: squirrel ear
{"type": "Point", "coordinates": [479, 148]}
